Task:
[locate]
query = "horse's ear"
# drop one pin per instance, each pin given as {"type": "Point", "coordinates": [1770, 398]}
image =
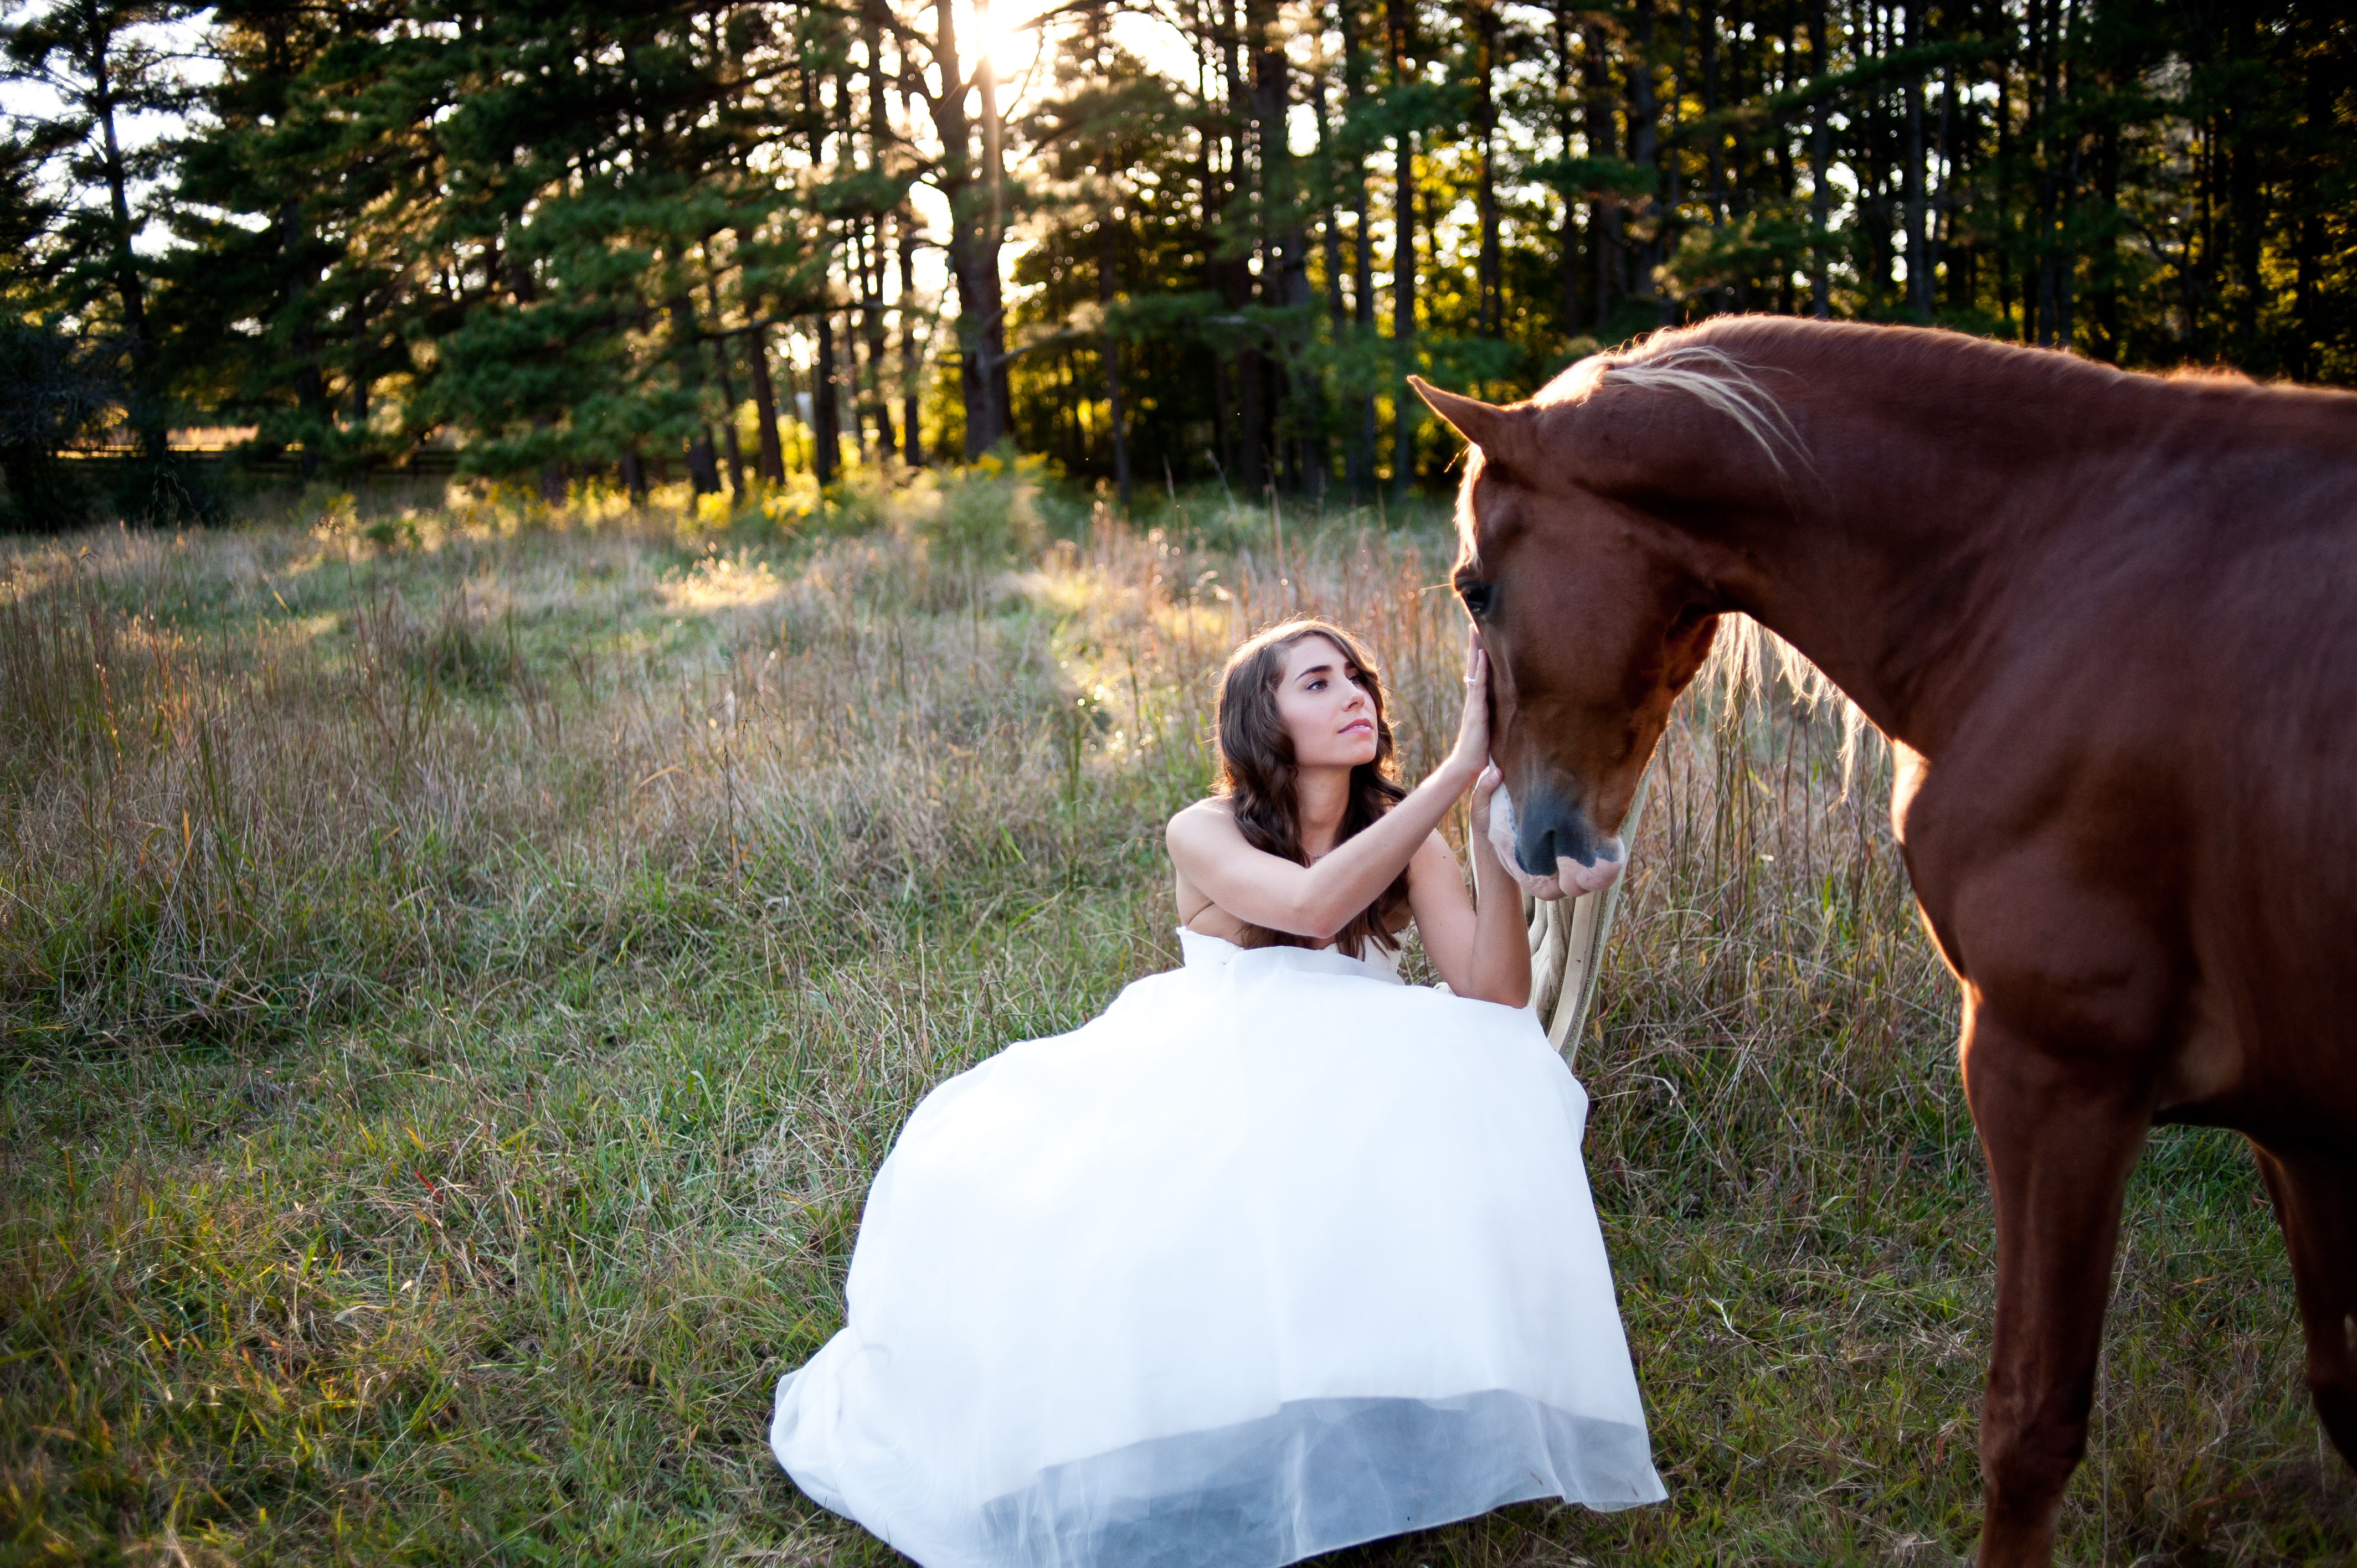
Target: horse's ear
{"type": "Point", "coordinates": [1484, 425]}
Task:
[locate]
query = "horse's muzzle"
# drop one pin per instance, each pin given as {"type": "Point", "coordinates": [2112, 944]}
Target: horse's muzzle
{"type": "Point", "coordinates": [1554, 835]}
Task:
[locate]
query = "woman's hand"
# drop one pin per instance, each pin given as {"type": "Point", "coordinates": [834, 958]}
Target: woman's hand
{"type": "Point", "coordinates": [1483, 788]}
{"type": "Point", "coordinates": [1471, 752]}
{"type": "Point", "coordinates": [1479, 944]}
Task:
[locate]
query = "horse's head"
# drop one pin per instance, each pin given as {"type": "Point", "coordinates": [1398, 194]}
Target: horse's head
{"type": "Point", "coordinates": [1596, 615]}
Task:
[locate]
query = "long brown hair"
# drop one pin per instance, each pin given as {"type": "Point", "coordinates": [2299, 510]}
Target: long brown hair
{"type": "Point", "coordinates": [1257, 772]}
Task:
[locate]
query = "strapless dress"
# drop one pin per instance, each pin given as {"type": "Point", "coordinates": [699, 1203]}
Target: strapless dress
{"type": "Point", "coordinates": [1273, 1256]}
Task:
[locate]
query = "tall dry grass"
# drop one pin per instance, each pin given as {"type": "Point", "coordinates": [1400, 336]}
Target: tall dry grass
{"type": "Point", "coordinates": [459, 978]}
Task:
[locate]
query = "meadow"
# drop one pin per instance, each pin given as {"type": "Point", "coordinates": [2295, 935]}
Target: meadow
{"type": "Point", "coordinates": [461, 964]}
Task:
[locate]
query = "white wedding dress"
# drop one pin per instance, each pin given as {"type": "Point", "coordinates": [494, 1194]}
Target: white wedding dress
{"type": "Point", "coordinates": [1275, 1256]}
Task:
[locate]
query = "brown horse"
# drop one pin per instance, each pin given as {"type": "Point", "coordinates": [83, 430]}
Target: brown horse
{"type": "Point", "coordinates": [2103, 620]}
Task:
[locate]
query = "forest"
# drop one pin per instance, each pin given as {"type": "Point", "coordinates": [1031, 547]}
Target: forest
{"type": "Point", "coordinates": [1150, 242]}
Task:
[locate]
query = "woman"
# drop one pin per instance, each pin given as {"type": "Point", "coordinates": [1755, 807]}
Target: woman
{"type": "Point", "coordinates": [1277, 1254]}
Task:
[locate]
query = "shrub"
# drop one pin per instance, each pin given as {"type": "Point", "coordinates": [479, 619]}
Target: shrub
{"type": "Point", "coordinates": [986, 514]}
{"type": "Point", "coordinates": [55, 389]}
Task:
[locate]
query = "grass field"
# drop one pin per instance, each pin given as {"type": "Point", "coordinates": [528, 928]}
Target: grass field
{"type": "Point", "coordinates": [458, 971]}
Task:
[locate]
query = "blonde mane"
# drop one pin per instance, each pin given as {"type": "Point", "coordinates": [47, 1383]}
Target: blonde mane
{"type": "Point", "coordinates": [1748, 661]}
{"type": "Point", "coordinates": [1711, 376]}
{"type": "Point", "coordinates": [1740, 665]}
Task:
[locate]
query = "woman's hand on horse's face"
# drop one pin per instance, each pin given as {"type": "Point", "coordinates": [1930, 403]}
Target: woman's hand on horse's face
{"type": "Point", "coordinates": [1484, 788]}
{"type": "Point", "coordinates": [1471, 752]}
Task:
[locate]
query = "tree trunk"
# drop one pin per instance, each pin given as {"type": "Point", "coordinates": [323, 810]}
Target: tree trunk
{"type": "Point", "coordinates": [302, 337]}
{"type": "Point", "coordinates": [994, 139]}
{"type": "Point", "coordinates": [1327, 243]}
{"type": "Point", "coordinates": [912, 443]}
{"type": "Point", "coordinates": [1567, 256]}
{"type": "Point", "coordinates": [1820, 162]}
{"type": "Point", "coordinates": [1919, 259]}
{"type": "Point", "coordinates": [1246, 116]}
{"type": "Point", "coordinates": [1109, 351]}
{"type": "Point", "coordinates": [2105, 304]}
{"type": "Point", "coordinates": [1713, 194]}
{"type": "Point", "coordinates": [1359, 466]}
{"type": "Point", "coordinates": [1285, 282]}
{"type": "Point", "coordinates": [2004, 251]}
{"type": "Point", "coordinates": [770, 457]}
{"type": "Point", "coordinates": [872, 19]}
{"type": "Point", "coordinates": [2308, 329]}
{"type": "Point", "coordinates": [1733, 150]}
{"type": "Point", "coordinates": [362, 366]}
{"type": "Point", "coordinates": [2043, 43]}
{"type": "Point", "coordinates": [1665, 207]}
{"type": "Point", "coordinates": [1329, 236]}
{"type": "Point", "coordinates": [976, 236]}
{"type": "Point", "coordinates": [1404, 401]}
{"type": "Point", "coordinates": [872, 314]}
{"type": "Point", "coordinates": [853, 412]}
{"type": "Point", "coordinates": [1937, 236]}
{"type": "Point", "coordinates": [826, 436]}
{"type": "Point", "coordinates": [147, 410]}
{"type": "Point", "coordinates": [1605, 223]}
{"type": "Point", "coordinates": [702, 470]}
{"type": "Point", "coordinates": [730, 442]}
{"type": "Point", "coordinates": [1868, 159]}
{"type": "Point", "coordinates": [1644, 138]}
{"type": "Point", "coordinates": [2246, 197]}
{"type": "Point", "coordinates": [1489, 268]}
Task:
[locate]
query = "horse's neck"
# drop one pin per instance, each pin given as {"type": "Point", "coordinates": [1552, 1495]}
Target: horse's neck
{"type": "Point", "coordinates": [1887, 596]}
{"type": "Point", "coordinates": [1903, 506]}
{"type": "Point", "coordinates": [1903, 532]}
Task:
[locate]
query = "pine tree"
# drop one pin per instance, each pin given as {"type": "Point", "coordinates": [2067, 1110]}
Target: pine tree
{"type": "Point", "coordinates": [102, 62]}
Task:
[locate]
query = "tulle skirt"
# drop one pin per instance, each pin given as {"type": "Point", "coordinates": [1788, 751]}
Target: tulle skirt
{"type": "Point", "coordinates": [1275, 1256]}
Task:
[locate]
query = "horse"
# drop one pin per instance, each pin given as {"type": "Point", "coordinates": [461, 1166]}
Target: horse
{"type": "Point", "coordinates": [2100, 617]}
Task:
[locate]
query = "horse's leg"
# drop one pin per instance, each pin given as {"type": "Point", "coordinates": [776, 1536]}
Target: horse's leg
{"type": "Point", "coordinates": [2316, 1199]}
{"type": "Point", "coordinates": [2060, 1139]}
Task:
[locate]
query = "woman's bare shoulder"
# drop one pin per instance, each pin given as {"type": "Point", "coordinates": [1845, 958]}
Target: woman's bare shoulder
{"type": "Point", "coordinates": [1213, 812]}
{"type": "Point", "coordinates": [1431, 855]}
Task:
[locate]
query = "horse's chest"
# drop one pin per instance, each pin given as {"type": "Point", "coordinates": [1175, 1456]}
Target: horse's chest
{"type": "Point", "coordinates": [2018, 890]}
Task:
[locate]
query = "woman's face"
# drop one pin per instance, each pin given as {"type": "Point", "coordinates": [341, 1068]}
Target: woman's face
{"type": "Point", "coordinates": [1325, 707]}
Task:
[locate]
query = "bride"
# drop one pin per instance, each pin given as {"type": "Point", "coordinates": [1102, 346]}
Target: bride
{"type": "Point", "coordinates": [1275, 1255]}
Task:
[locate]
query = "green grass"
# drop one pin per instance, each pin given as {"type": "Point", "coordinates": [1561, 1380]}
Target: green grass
{"type": "Point", "coordinates": [457, 976]}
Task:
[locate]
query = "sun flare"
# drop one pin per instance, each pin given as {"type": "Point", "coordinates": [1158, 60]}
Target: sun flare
{"type": "Point", "coordinates": [999, 32]}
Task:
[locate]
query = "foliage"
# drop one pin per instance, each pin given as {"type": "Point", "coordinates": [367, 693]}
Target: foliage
{"type": "Point", "coordinates": [54, 393]}
{"type": "Point", "coordinates": [102, 62]}
{"type": "Point", "coordinates": [457, 976]}
{"type": "Point", "coordinates": [625, 245]}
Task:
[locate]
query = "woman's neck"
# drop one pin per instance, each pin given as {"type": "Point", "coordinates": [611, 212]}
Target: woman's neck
{"type": "Point", "coordinates": [1320, 796]}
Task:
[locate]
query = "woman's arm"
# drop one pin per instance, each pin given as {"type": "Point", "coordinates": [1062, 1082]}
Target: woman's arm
{"type": "Point", "coordinates": [1483, 950]}
{"type": "Point", "coordinates": [1502, 942]}
{"type": "Point", "coordinates": [1318, 900]}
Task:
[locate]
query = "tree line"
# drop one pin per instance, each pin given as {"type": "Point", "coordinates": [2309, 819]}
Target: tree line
{"type": "Point", "coordinates": [1154, 241]}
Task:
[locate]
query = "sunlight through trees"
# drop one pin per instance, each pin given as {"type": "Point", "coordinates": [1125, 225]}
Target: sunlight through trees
{"type": "Point", "coordinates": [1153, 242]}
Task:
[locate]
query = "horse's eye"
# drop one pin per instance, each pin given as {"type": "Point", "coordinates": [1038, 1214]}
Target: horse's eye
{"type": "Point", "coordinates": [1476, 596]}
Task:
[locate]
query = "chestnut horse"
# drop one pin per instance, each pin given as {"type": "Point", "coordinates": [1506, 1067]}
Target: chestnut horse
{"type": "Point", "coordinates": [2103, 619]}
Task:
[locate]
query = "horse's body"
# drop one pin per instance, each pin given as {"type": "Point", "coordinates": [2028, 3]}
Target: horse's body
{"type": "Point", "coordinates": [2103, 619]}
